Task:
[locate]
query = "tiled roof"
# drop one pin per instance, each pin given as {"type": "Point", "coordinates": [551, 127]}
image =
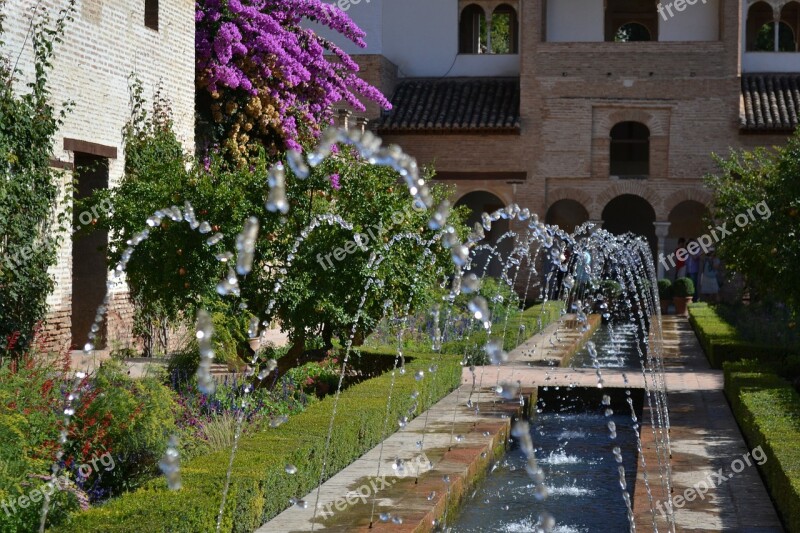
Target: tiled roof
{"type": "Point", "coordinates": [461, 105]}
{"type": "Point", "coordinates": [771, 102]}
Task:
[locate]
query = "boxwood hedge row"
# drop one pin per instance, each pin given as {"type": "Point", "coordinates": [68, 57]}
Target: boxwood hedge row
{"type": "Point", "coordinates": [260, 487]}
{"type": "Point", "coordinates": [721, 342]}
{"type": "Point", "coordinates": [768, 411]}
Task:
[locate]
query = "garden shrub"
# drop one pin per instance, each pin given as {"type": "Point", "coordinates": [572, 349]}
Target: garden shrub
{"type": "Point", "coordinates": [665, 289]}
{"type": "Point", "coordinates": [260, 487]}
{"type": "Point", "coordinates": [721, 342]}
{"type": "Point", "coordinates": [519, 327]}
{"type": "Point", "coordinates": [139, 417]}
{"type": "Point", "coordinates": [683, 288]}
{"type": "Point", "coordinates": [768, 411]}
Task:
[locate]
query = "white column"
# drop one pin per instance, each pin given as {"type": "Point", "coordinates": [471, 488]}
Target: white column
{"type": "Point", "coordinates": [776, 17]}
{"type": "Point", "coordinates": [662, 232]}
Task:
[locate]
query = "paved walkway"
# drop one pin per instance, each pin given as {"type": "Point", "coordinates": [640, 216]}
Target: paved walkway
{"type": "Point", "coordinates": [704, 439]}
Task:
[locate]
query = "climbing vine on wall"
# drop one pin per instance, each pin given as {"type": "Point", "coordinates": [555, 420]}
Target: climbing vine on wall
{"type": "Point", "coordinates": [29, 188]}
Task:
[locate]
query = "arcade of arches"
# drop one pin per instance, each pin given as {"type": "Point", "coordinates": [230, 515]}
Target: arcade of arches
{"type": "Point", "coordinates": [622, 214]}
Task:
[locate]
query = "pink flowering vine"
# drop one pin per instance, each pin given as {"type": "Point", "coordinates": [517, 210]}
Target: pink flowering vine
{"type": "Point", "coordinates": [268, 78]}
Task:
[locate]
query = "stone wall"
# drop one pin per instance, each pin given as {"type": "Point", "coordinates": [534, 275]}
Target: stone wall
{"type": "Point", "coordinates": [573, 93]}
{"type": "Point", "coordinates": [105, 44]}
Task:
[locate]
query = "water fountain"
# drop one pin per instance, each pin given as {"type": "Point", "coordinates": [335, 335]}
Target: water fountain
{"type": "Point", "coordinates": [544, 262]}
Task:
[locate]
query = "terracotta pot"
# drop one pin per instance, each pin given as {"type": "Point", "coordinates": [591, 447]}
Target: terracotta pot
{"type": "Point", "coordinates": [665, 306]}
{"type": "Point", "coordinates": [681, 305]}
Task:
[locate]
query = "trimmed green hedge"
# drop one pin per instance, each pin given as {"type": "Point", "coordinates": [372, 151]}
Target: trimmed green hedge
{"type": "Point", "coordinates": [721, 342]}
{"type": "Point", "coordinates": [260, 489]}
{"type": "Point", "coordinates": [768, 411]}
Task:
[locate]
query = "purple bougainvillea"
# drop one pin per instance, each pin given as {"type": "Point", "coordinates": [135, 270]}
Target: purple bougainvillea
{"type": "Point", "coordinates": [269, 78]}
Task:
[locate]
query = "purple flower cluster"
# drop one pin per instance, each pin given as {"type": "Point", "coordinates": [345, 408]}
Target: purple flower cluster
{"type": "Point", "coordinates": [257, 47]}
{"type": "Point", "coordinates": [335, 181]}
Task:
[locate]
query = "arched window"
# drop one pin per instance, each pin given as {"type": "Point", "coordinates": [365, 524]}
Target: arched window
{"type": "Point", "coordinates": [631, 20]}
{"type": "Point", "coordinates": [504, 30]}
{"type": "Point", "coordinates": [790, 24]}
{"type": "Point", "coordinates": [631, 32]}
{"type": "Point", "coordinates": [760, 28]}
{"type": "Point", "coordinates": [472, 30]}
{"type": "Point", "coordinates": [630, 150]}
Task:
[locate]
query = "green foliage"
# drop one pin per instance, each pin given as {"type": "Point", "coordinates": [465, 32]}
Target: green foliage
{"type": "Point", "coordinates": [722, 342]}
{"type": "Point", "coordinates": [29, 188]}
{"type": "Point", "coordinates": [518, 327]}
{"type": "Point", "coordinates": [683, 288]}
{"type": "Point", "coordinates": [323, 376]}
{"type": "Point", "coordinates": [17, 466]}
{"type": "Point", "coordinates": [610, 289]}
{"type": "Point", "coordinates": [767, 409]}
{"type": "Point", "coordinates": [175, 271]}
{"type": "Point", "coordinates": [260, 488]}
{"type": "Point", "coordinates": [766, 322]}
{"type": "Point", "coordinates": [664, 289]}
{"type": "Point", "coordinates": [130, 420]}
{"type": "Point", "coordinates": [141, 415]}
{"type": "Point", "coordinates": [761, 186]}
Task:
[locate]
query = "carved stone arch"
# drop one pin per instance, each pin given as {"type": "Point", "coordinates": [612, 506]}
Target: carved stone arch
{"type": "Point", "coordinates": [776, 5]}
{"type": "Point", "coordinates": [634, 187]}
{"type": "Point", "coordinates": [642, 116]}
{"type": "Point", "coordinates": [696, 194]}
{"type": "Point", "coordinates": [570, 193]}
{"type": "Point", "coordinates": [503, 193]}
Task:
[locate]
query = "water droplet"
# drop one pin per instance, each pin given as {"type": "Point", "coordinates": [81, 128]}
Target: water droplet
{"type": "Point", "coordinates": [290, 469]}
{"type": "Point", "coordinates": [419, 375]}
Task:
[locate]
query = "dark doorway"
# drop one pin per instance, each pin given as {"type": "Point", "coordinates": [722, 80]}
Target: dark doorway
{"type": "Point", "coordinates": [89, 267]}
{"type": "Point", "coordinates": [480, 202]}
{"type": "Point", "coordinates": [567, 215]}
{"type": "Point", "coordinates": [631, 213]}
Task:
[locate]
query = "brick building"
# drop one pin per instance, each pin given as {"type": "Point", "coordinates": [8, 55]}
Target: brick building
{"type": "Point", "coordinates": [603, 110]}
{"type": "Point", "coordinates": [108, 41]}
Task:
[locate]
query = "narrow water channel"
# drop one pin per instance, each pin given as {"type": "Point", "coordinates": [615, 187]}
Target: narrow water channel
{"type": "Point", "coordinates": [574, 451]}
{"type": "Point", "coordinates": [573, 447]}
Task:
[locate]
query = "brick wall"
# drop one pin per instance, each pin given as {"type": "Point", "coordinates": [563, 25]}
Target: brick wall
{"type": "Point", "coordinates": [106, 43]}
{"type": "Point", "coordinates": [572, 94]}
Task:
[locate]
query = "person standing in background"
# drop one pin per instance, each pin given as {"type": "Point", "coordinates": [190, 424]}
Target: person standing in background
{"type": "Point", "coordinates": [680, 266]}
{"type": "Point", "coordinates": [709, 281]}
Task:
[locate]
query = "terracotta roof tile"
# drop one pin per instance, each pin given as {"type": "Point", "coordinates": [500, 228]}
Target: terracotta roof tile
{"type": "Point", "coordinates": [458, 105]}
{"type": "Point", "coordinates": [771, 102]}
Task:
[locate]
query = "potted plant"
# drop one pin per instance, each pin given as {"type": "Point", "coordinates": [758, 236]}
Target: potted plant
{"type": "Point", "coordinates": [664, 294]}
{"type": "Point", "coordinates": [682, 289]}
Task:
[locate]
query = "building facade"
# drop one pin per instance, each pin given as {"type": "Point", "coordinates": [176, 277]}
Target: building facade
{"type": "Point", "coordinates": [107, 42]}
{"type": "Point", "coordinates": [601, 110]}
